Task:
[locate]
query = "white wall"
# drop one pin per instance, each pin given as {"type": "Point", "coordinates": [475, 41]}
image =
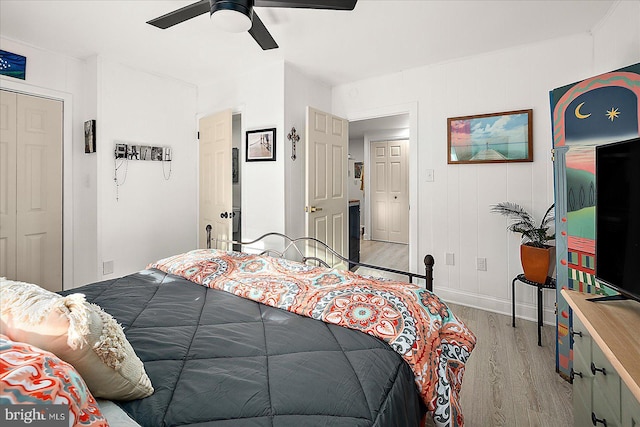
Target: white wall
{"type": "Point", "coordinates": [85, 177]}
{"type": "Point", "coordinates": [454, 209]}
{"type": "Point", "coordinates": [153, 217]}
{"type": "Point", "coordinates": [617, 38]}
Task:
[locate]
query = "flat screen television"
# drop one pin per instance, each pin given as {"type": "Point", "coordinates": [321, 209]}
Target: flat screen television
{"type": "Point", "coordinates": [618, 216]}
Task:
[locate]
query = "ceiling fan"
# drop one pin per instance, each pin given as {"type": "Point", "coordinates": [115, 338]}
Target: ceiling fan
{"type": "Point", "coordinates": [238, 15]}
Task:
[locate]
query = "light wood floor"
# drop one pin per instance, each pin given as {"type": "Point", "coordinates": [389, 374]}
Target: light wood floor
{"type": "Point", "coordinates": [390, 255]}
{"type": "Point", "coordinates": [509, 380]}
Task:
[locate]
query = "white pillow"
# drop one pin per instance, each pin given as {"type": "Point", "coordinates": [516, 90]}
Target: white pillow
{"type": "Point", "coordinates": [79, 333]}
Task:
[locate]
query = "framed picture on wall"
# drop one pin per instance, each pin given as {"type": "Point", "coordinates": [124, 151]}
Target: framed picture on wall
{"type": "Point", "coordinates": [261, 145]}
{"type": "Point", "coordinates": [234, 166]}
{"type": "Point", "coordinates": [357, 170]}
{"type": "Point", "coordinates": [491, 138]}
{"type": "Point", "coordinates": [90, 136]}
{"type": "Point", "coordinates": [13, 65]}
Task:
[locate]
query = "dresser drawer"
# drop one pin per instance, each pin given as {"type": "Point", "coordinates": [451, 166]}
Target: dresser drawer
{"type": "Point", "coordinates": [581, 339]}
{"type": "Point", "coordinates": [607, 385]}
{"type": "Point", "coordinates": [604, 410]}
{"type": "Point", "coordinates": [612, 330]}
{"type": "Point", "coordinates": [582, 365]}
{"type": "Point", "coordinates": [630, 408]}
{"type": "Point", "coordinates": [581, 400]}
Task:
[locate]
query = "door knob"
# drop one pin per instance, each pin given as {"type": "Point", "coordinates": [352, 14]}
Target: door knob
{"type": "Point", "coordinates": [312, 209]}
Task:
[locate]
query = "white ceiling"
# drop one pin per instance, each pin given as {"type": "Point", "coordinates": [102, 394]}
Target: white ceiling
{"type": "Point", "coordinates": [357, 129]}
{"type": "Point", "coordinates": [377, 38]}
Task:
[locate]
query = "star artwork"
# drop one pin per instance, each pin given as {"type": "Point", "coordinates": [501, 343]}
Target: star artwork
{"type": "Point", "coordinates": [603, 114]}
{"type": "Point", "coordinates": [613, 113]}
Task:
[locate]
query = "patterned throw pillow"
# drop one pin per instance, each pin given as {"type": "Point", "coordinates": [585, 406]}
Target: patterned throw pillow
{"type": "Point", "coordinates": [79, 333]}
{"type": "Point", "coordinates": [29, 375]}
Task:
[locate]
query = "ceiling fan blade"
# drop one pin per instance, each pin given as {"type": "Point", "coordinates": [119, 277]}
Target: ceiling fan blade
{"type": "Point", "coordinates": [309, 4]}
{"type": "Point", "coordinates": [181, 15]}
{"type": "Point", "coordinates": [261, 35]}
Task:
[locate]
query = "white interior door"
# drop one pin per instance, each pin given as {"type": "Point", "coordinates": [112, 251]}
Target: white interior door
{"type": "Point", "coordinates": [326, 199]}
{"type": "Point", "coordinates": [390, 191]}
{"type": "Point", "coordinates": [31, 194]}
{"type": "Point", "coordinates": [215, 179]}
{"type": "Point", "coordinates": [379, 192]}
{"type": "Point", "coordinates": [8, 185]}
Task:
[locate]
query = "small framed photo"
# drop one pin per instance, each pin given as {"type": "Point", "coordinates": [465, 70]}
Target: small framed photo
{"type": "Point", "coordinates": [145, 152]}
{"type": "Point", "coordinates": [357, 170]}
{"type": "Point", "coordinates": [156, 153]}
{"type": "Point", "coordinates": [121, 151]}
{"type": "Point", "coordinates": [235, 176]}
{"type": "Point", "coordinates": [261, 145]}
{"type": "Point", "coordinates": [134, 152]}
{"type": "Point", "coordinates": [90, 136]}
{"type": "Point", "coordinates": [490, 138]}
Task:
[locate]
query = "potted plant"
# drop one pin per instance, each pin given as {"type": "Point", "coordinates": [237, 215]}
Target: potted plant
{"type": "Point", "coordinates": [537, 257]}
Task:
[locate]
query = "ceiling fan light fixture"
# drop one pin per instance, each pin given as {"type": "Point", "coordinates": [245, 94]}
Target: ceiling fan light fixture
{"type": "Point", "coordinates": [232, 16]}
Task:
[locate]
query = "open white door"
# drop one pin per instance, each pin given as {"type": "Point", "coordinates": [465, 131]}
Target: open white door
{"type": "Point", "coordinates": [326, 204]}
{"type": "Point", "coordinates": [216, 197]}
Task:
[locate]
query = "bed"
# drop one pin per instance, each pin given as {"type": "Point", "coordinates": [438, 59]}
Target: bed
{"type": "Point", "coordinates": [238, 338]}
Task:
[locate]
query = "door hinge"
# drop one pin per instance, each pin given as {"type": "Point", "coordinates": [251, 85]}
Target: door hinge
{"type": "Point", "coordinates": [198, 135]}
{"type": "Point", "coordinates": [553, 154]}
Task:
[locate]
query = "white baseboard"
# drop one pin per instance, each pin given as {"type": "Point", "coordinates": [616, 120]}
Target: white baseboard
{"type": "Point", "coordinates": [495, 305]}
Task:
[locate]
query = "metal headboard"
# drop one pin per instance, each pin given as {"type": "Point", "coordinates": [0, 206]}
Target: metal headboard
{"type": "Point", "coordinates": [292, 245]}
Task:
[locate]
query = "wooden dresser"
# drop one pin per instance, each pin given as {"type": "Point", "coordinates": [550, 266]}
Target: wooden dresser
{"type": "Point", "coordinates": [606, 361]}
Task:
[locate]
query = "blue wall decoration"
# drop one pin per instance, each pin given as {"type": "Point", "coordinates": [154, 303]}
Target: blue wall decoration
{"type": "Point", "coordinates": [13, 65]}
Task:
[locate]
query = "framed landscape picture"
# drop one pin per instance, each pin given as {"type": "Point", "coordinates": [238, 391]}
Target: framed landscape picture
{"type": "Point", "coordinates": [490, 138]}
{"type": "Point", "coordinates": [261, 145]}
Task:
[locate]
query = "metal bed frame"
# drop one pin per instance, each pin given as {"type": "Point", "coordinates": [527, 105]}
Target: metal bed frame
{"type": "Point", "coordinates": [292, 244]}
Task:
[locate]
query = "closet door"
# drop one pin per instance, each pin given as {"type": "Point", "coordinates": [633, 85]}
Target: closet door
{"type": "Point", "coordinates": [32, 190]}
{"type": "Point", "coordinates": [379, 192]}
{"type": "Point", "coordinates": [389, 191]}
{"type": "Point", "coordinates": [398, 196]}
{"type": "Point", "coordinates": [8, 210]}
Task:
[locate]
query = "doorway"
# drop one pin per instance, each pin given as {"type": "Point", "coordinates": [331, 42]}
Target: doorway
{"type": "Point", "coordinates": [236, 176]}
{"type": "Point", "coordinates": [362, 134]}
{"type": "Point", "coordinates": [220, 179]}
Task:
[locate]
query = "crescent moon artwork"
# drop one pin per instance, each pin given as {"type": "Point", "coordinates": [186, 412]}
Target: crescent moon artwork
{"type": "Point", "coordinates": [579, 114]}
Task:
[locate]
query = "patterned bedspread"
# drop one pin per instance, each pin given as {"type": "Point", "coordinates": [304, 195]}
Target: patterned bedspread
{"type": "Point", "coordinates": [412, 320]}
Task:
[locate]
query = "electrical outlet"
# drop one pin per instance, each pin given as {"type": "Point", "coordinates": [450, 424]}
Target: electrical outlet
{"type": "Point", "coordinates": [107, 268]}
{"type": "Point", "coordinates": [449, 258]}
{"type": "Point", "coordinates": [481, 264]}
